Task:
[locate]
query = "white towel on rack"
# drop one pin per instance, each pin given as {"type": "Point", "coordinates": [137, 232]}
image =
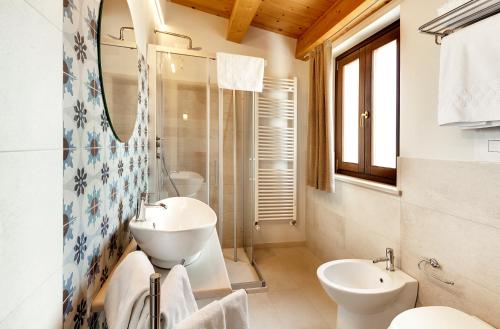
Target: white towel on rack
{"type": "Point", "coordinates": [235, 308]}
{"type": "Point", "coordinates": [238, 72]}
{"type": "Point", "coordinates": [126, 304]}
{"type": "Point", "coordinates": [469, 81]}
{"type": "Point", "coordinates": [177, 300]}
{"type": "Point", "coordinates": [209, 317]}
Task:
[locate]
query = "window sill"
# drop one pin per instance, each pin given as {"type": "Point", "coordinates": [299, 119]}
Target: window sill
{"type": "Point", "coordinates": [388, 189]}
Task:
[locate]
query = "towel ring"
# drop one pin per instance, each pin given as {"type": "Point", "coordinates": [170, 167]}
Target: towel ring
{"type": "Point", "coordinates": [435, 264]}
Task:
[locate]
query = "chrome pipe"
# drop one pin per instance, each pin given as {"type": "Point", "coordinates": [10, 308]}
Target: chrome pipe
{"type": "Point", "coordinates": [183, 36]}
{"type": "Point", "coordinates": [122, 30]}
{"type": "Point", "coordinates": [154, 303]}
{"type": "Point", "coordinates": [235, 231]}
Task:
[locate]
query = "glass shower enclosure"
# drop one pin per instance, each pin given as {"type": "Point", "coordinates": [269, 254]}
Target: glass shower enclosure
{"type": "Point", "coordinates": [204, 147]}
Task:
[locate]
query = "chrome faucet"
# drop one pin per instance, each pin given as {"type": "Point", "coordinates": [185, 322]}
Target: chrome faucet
{"type": "Point", "coordinates": [142, 204]}
{"type": "Point", "coordinates": [388, 259]}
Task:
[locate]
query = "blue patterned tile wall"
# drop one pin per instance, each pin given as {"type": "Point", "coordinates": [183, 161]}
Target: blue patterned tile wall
{"type": "Point", "coordinates": [102, 176]}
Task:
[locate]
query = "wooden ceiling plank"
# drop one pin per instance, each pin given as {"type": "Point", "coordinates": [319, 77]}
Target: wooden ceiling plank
{"type": "Point", "coordinates": [280, 25]}
{"type": "Point", "coordinates": [241, 17]}
{"type": "Point", "coordinates": [339, 19]}
{"type": "Point", "coordinates": [220, 8]}
{"type": "Point", "coordinates": [275, 30]}
{"type": "Point", "coordinates": [286, 13]}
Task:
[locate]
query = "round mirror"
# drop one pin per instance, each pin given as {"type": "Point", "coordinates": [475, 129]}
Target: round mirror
{"type": "Point", "coordinates": [118, 67]}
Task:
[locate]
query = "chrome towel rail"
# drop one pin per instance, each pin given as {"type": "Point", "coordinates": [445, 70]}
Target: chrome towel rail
{"type": "Point", "coordinates": [434, 264]}
{"type": "Point", "coordinates": [462, 16]}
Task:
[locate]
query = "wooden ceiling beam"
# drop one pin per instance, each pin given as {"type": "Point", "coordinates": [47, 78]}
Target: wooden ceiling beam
{"type": "Point", "coordinates": [241, 17]}
{"type": "Point", "coordinates": [341, 17]}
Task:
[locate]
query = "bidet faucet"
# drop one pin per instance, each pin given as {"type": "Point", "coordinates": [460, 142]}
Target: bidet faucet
{"type": "Point", "coordinates": [388, 259]}
{"type": "Point", "coordinates": [142, 204]}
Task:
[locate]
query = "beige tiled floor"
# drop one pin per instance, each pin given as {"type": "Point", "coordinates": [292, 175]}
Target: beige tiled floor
{"type": "Point", "coordinates": [295, 299]}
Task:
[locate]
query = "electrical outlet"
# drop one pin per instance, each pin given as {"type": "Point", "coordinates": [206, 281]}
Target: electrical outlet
{"type": "Point", "coordinates": [494, 145]}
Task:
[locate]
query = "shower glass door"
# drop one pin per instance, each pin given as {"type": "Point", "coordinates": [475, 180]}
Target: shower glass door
{"type": "Point", "coordinates": [182, 130]}
{"type": "Point", "coordinates": [205, 147]}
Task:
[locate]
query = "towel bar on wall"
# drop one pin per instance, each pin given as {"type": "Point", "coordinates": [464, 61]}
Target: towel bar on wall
{"type": "Point", "coordinates": [275, 168]}
{"type": "Point", "coordinates": [462, 16]}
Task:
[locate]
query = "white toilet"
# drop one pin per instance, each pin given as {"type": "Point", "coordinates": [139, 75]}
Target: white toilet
{"type": "Point", "coordinates": [437, 317]}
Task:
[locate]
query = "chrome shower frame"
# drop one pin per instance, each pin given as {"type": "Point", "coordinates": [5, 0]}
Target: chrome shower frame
{"type": "Point", "coordinates": [153, 51]}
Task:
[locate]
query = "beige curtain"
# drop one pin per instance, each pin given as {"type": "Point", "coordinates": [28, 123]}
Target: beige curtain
{"type": "Point", "coordinates": [318, 167]}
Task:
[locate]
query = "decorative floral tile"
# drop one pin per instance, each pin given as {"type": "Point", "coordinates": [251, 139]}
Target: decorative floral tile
{"type": "Point", "coordinates": [102, 176]}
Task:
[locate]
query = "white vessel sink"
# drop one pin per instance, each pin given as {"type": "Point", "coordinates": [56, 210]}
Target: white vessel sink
{"type": "Point", "coordinates": [368, 296]}
{"type": "Point", "coordinates": [177, 233]}
{"type": "Point", "coordinates": [187, 182]}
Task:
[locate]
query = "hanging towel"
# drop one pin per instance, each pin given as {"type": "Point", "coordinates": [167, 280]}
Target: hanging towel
{"type": "Point", "coordinates": [235, 307]}
{"type": "Point", "coordinates": [126, 304]}
{"type": "Point", "coordinates": [177, 300]}
{"type": "Point", "coordinates": [209, 317]}
{"type": "Point", "coordinates": [240, 72]}
{"type": "Point", "coordinates": [469, 81]}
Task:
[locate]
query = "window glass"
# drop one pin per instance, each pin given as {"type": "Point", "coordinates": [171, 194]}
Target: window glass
{"type": "Point", "coordinates": [350, 108]}
{"type": "Point", "coordinates": [384, 97]}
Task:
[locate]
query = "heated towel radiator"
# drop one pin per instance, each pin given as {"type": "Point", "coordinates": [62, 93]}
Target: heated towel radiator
{"type": "Point", "coordinates": [276, 152]}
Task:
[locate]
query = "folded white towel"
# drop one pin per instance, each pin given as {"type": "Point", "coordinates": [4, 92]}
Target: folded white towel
{"type": "Point", "coordinates": [240, 72]}
{"type": "Point", "coordinates": [235, 308]}
{"type": "Point", "coordinates": [126, 303]}
{"type": "Point", "coordinates": [209, 317]}
{"type": "Point", "coordinates": [177, 300]}
{"type": "Point", "coordinates": [469, 82]}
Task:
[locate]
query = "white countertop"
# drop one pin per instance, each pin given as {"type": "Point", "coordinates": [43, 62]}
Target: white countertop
{"type": "Point", "coordinates": [208, 275]}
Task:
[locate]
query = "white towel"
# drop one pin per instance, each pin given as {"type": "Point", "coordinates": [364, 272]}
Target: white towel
{"type": "Point", "coordinates": [126, 303]}
{"type": "Point", "coordinates": [240, 72]}
{"type": "Point", "coordinates": [235, 308]}
{"type": "Point", "coordinates": [469, 82]}
{"type": "Point", "coordinates": [177, 300]}
{"type": "Point", "coordinates": [209, 317]}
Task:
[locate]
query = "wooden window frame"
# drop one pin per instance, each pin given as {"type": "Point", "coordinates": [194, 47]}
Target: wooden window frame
{"type": "Point", "coordinates": [364, 52]}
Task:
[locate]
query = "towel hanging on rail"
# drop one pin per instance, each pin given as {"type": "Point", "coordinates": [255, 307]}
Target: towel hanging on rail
{"type": "Point", "coordinates": [238, 72]}
{"type": "Point", "coordinates": [469, 81]}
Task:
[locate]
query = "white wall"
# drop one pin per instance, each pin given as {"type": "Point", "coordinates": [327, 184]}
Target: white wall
{"type": "Point", "coordinates": [447, 208]}
{"type": "Point", "coordinates": [209, 31]}
{"type": "Point", "coordinates": [30, 164]}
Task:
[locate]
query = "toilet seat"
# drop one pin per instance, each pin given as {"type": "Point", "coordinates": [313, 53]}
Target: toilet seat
{"type": "Point", "coordinates": [437, 317]}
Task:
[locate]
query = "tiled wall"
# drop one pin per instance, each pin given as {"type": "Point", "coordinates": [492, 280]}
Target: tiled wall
{"type": "Point", "coordinates": [449, 210]}
{"type": "Point", "coordinates": [30, 164]}
{"type": "Point", "coordinates": [102, 176]}
{"type": "Point", "coordinates": [353, 222]}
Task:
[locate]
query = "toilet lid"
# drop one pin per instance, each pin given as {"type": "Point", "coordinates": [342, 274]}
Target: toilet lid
{"type": "Point", "coordinates": [437, 317]}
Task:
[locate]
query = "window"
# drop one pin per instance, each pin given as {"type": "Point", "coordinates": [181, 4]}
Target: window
{"type": "Point", "coordinates": [367, 108]}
